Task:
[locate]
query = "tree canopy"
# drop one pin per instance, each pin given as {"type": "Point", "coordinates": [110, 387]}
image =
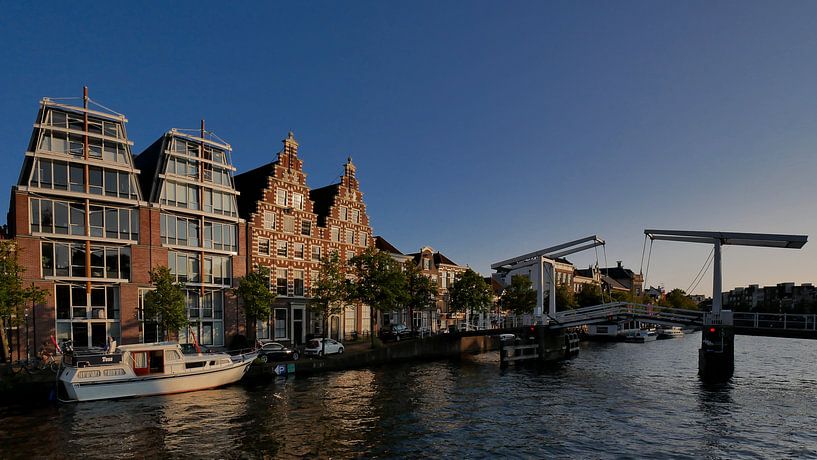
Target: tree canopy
{"type": "Point", "coordinates": [166, 302]}
{"type": "Point", "coordinates": [677, 298]}
{"type": "Point", "coordinates": [565, 300]}
{"type": "Point", "coordinates": [589, 295]}
{"type": "Point", "coordinates": [330, 290]}
{"type": "Point", "coordinates": [256, 295]}
{"type": "Point", "coordinates": [379, 282]}
{"type": "Point", "coordinates": [14, 296]}
{"type": "Point", "coordinates": [470, 292]}
{"type": "Point", "coordinates": [420, 290]}
{"type": "Point", "coordinates": [519, 296]}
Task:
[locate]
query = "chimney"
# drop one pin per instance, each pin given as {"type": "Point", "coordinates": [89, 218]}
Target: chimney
{"type": "Point", "coordinates": [618, 262]}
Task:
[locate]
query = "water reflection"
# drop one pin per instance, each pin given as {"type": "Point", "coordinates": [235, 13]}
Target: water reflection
{"type": "Point", "coordinates": [619, 400]}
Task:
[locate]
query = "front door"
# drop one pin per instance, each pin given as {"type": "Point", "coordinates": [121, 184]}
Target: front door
{"type": "Point", "coordinates": [297, 326]}
{"type": "Point", "coordinates": [334, 328]}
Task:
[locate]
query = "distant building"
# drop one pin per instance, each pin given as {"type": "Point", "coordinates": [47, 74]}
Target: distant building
{"type": "Point", "coordinates": [781, 298]}
{"type": "Point", "coordinates": [618, 278]}
{"type": "Point", "coordinates": [442, 271]}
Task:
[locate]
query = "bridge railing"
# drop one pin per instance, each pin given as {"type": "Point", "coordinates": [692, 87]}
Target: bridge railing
{"type": "Point", "coordinates": [618, 310]}
{"type": "Point", "coordinates": [784, 321]}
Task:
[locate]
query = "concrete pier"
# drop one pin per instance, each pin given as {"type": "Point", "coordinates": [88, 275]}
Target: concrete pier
{"type": "Point", "coordinates": [716, 358]}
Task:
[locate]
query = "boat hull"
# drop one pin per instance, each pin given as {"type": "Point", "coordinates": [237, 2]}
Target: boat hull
{"type": "Point", "coordinates": [154, 384]}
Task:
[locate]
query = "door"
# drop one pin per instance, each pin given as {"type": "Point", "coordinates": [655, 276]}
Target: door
{"type": "Point", "coordinates": [297, 326]}
{"type": "Point", "coordinates": [334, 328]}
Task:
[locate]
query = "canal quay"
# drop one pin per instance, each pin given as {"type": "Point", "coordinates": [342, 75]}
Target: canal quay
{"type": "Point", "coordinates": [614, 400]}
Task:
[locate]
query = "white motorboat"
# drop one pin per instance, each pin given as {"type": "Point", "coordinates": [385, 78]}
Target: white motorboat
{"type": "Point", "coordinates": [145, 369]}
{"type": "Point", "coordinates": [670, 333]}
{"type": "Point", "coordinates": [641, 336]}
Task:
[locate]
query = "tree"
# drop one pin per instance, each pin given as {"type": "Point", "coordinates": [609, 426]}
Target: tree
{"type": "Point", "coordinates": [519, 297]}
{"type": "Point", "coordinates": [589, 295]}
{"type": "Point", "coordinates": [470, 293]}
{"type": "Point", "coordinates": [14, 297]}
{"type": "Point", "coordinates": [166, 302]}
{"type": "Point", "coordinates": [379, 282]}
{"type": "Point", "coordinates": [677, 298]}
{"type": "Point", "coordinates": [330, 290]}
{"type": "Point", "coordinates": [565, 300]}
{"type": "Point", "coordinates": [254, 290]}
{"type": "Point", "coordinates": [420, 290]}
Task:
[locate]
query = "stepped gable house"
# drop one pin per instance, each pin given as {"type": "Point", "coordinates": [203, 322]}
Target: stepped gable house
{"type": "Point", "coordinates": [290, 229]}
{"type": "Point", "coordinates": [77, 216]}
{"type": "Point", "coordinates": [187, 179]}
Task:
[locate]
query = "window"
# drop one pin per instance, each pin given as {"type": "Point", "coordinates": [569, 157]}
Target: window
{"type": "Point", "coordinates": [217, 202]}
{"type": "Point", "coordinates": [316, 252]}
{"type": "Point", "coordinates": [179, 231]}
{"type": "Point", "coordinates": [350, 236]}
{"type": "Point", "coordinates": [297, 201]}
{"type": "Point", "coordinates": [280, 323]}
{"type": "Point", "coordinates": [281, 197]}
{"type": "Point", "coordinates": [356, 216]}
{"type": "Point", "coordinates": [335, 234]}
{"type": "Point", "coordinates": [68, 260]}
{"type": "Point", "coordinates": [344, 213]}
{"type": "Point", "coordinates": [281, 281]}
{"type": "Point", "coordinates": [299, 250]}
{"type": "Point", "coordinates": [298, 278]}
{"type": "Point", "coordinates": [222, 236]}
{"type": "Point", "coordinates": [59, 217]}
{"type": "Point", "coordinates": [306, 227]}
{"type": "Point", "coordinates": [289, 224]}
{"type": "Point", "coordinates": [180, 195]}
{"type": "Point", "coordinates": [217, 270]}
{"type": "Point", "coordinates": [184, 266]}
{"type": "Point", "coordinates": [75, 302]}
{"type": "Point", "coordinates": [349, 255]}
{"type": "Point", "coordinates": [363, 239]}
{"type": "Point", "coordinates": [263, 246]}
{"type": "Point", "coordinates": [281, 248]}
{"type": "Point", "coordinates": [269, 220]}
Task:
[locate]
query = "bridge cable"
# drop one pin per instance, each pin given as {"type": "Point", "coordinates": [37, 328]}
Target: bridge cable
{"type": "Point", "coordinates": [701, 272]}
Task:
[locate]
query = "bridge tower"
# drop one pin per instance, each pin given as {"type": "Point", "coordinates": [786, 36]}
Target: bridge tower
{"type": "Point", "coordinates": [716, 357]}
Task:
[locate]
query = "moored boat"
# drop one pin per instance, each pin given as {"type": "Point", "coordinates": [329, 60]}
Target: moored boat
{"type": "Point", "coordinates": [641, 336]}
{"type": "Point", "coordinates": [145, 369]}
{"type": "Point", "coordinates": [670, 333]}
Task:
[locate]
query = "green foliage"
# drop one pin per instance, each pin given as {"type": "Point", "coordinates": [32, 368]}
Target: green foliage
{"type": "Point", "coordinates": [519, 297]}
{"type": "Point", "coordinates": [565, 300]}
{"type": "Point", "coordinates": [420, 290]}
{"type": "Point", "coordinates": [379, 282]}
{"type": "Point", "coordinates": [677, 298]}
{"type": "Point", "coordinates": [166, 302]}
{"type": "Point", "coordinates": [256, 295]}
{"type": "Point", "coordinates": [330, 290]}
{"type": "Point", "coordinates": [470, 292]}
{"type": "Point", "coordinates": [14, 297]}
{"type": "Point", "coordinates": [589, 295]}
{"type": "Point", "coordinates": [623, 296]}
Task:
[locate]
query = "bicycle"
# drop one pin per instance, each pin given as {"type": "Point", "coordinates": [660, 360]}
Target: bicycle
{"type": "Point", "coordinates": [35, 365]}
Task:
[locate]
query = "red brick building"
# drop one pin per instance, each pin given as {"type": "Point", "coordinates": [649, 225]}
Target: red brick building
{"type": "Point", "coordinates": [290, 229]}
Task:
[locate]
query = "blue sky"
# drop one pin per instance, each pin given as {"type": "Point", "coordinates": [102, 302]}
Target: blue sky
{"type": "Point", "coordinates": [482, 129]}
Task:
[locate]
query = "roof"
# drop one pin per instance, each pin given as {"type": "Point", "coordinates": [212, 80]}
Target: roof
{"type": "Point", "coordinates": [322, 199]}
{"type": "Point", "coordinates": [383, 245]}
{"type": "Point", "coordinates": [251, 186]}
{"type": "Point", "coordinates": [147, 162]}
{"type": "Point", "coordinates": [438, 257]}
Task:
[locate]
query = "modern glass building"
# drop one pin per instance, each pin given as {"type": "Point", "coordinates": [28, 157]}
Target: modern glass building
{"type": "Point", "coordinates": [76, 217]}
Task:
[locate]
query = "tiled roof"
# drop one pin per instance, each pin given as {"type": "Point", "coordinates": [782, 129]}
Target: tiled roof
{"type": "Point", "coordinates": [383, 245]}
{"type": "Point", "coordinates": [322, 199]}
{"type": "Point", "coordinates": [251, 186]}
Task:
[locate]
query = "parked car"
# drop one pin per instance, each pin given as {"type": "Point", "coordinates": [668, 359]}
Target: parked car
{"type": "Point", "coordinates": [329, 347]}
{"type": "Point", "coordinates": [394, 332]}
{"type": "Point", "coordinates": [270, 351]}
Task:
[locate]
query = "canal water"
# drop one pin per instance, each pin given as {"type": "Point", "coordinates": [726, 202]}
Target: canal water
{"type": "Point", "coordinates": [616, 400]}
